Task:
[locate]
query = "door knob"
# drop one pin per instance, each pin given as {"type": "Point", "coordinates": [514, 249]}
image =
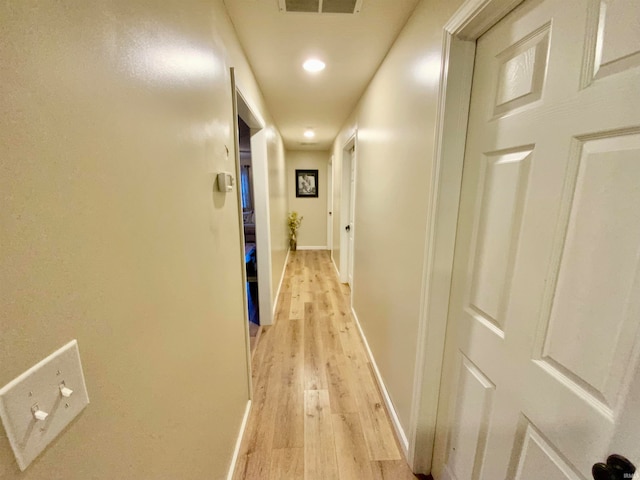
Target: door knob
{"type": "Point", "coordinates": [601, 471]}
{"type": "Point", "coordinates": [616, 468]}
{"type": "Point", "coordinates": [622, 467]}
{"type": "Point", "coordinates": [348, 228]}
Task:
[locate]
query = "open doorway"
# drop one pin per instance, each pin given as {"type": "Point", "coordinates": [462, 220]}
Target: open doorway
{"type": "Point", "coordinates": [253, 195]}
{"type": "Point", "coordinates": [249, 228]}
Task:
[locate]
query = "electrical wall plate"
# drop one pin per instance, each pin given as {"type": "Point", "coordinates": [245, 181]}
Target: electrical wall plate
{"type": "Point", "coordinates": [39, 404]}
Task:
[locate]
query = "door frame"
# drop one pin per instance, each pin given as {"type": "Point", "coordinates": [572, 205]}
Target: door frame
{"type": "Point", "coordinates": [351, 236]}
{"type": "Point", "coordinates": [345, 208]}
{"type": "Point", "coordinates": [460, 33]}
{"type": "Point", "coordinates": [243, 271]}
{"type": "Point", "coordinates": [330, 204]}
{"type": "Point", "coordinates": [260, 170]}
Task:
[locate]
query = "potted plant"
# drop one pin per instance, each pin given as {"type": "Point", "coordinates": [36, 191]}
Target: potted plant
{"type": "Point", "coordinates": [294, 223]}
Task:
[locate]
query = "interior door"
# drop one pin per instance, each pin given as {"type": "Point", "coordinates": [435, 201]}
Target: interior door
{"type": "Point", "coordinates": [541, 364]}
{"type": "Point", "coordinates": [352, 210]}
{"type": "Point", "coordinates": [330, 205]}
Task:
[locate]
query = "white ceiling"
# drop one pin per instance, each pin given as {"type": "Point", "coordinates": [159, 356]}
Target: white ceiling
{"type": "Point", "coordinates": [352, 45]}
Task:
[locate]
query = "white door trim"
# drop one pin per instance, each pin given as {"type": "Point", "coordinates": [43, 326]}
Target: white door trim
{"type": "Point", "coordinates": [353, 175]}
{"type": "Point", "coordinates": [236, 151]}
{"type": "Point", "coordinates": [259, 162]}
{"type": "Point", "coordinates": [330, 204]}
{"type": "Point", "coordinates": [345, 205]}
{"type": "Point", "coordinates": [471, 20]}
{"type": "Point", "coordinates": [236, 450]}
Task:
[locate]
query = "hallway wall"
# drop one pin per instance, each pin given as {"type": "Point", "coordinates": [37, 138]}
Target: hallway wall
{"type": "Point", "coordinates": [313, 231]}
{"type": "Point", "coordinates": [278, 209]}
{"type": "Point", "coordinates": [395, 122]}
{"type": "Point", "coordinates": [116, 118]}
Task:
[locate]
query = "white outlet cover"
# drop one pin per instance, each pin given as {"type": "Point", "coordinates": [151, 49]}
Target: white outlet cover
{"type": "Point", "coordinates": [39, 388]}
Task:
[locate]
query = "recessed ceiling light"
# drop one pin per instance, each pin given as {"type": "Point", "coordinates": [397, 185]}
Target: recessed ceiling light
{"type": "Point", "coordinates": [313, 65]}
{"type": "Point", "coordinates": [309, 133]}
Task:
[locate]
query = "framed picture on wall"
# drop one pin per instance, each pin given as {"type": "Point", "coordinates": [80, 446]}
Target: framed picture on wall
{"type": "Point", "coordinates": [307, 183]}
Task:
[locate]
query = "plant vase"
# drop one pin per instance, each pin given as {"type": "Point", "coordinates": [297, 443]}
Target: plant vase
{"type": "Point", "coordinates": [293, 222]}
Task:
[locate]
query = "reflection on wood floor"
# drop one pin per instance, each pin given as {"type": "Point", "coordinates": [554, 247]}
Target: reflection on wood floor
{"type": "Point", "coordinates": [317, 412]}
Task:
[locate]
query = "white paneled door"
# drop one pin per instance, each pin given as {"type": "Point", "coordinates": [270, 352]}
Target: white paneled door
{"type": "Point", "coordinates": [352, 213]}
{"type": "Point", "coordinates": [544, 339]}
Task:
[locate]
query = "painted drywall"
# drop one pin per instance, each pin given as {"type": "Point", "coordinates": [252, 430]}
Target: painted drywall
{"type": "Point", "coordinates": [313, 231]}
{"type": "Point", "coordinates": [395, 122]}
{"type": "Point", "coordinates": [278, 208]}
{"type": "Point", "coordinates": [116, 117]}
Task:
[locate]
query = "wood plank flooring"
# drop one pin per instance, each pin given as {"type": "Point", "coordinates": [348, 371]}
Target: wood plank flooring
{"type": "Point", "coordinates": [317, 412]}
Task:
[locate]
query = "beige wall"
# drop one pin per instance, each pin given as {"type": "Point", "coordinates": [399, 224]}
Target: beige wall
{"type": "Point", "coordinates": [395, 119]}
{"type": "Point", "coordinates": [313, 231]}
{"type": "Point", "coordinates": [278, 209]}
{"type": "Point", "coordinates": [115, 120]}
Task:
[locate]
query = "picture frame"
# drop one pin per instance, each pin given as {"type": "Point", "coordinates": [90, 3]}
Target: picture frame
{"type": "Point", "coordinates": [307, 183]}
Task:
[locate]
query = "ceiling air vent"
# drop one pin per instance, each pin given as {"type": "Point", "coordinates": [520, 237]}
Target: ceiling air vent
{"type": "Point", "coordinates": [321, 6]}
{"type": "Point", "coordinates": [341, 6]}
{"type": "Point", "coordinates": [300, 5]}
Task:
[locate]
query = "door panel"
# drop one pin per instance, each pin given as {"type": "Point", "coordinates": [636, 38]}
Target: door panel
{"type": "Point", "coordinates": [616, 27]}
{"type": "Point", "coordinates": [538, 459]}
{"type": "Point", "coordinates": [475, 392]}
{"type": "Point", "coordinates": [543, 340]}
{"type": "Point", "coordinates": [498, 221]}
{"type": "Point", "coordinates": [522, 68]}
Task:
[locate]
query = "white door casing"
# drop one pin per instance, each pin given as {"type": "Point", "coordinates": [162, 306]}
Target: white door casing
{"type": "Point", "coordinates": [352, 213]}
{"type": "Point", "coordinates": [541, 376]}
{"type": "Point", "coordinates": [330, 205]}
{"type": "Point", "coordinates": [345, 208]}
{"type": "Point", "coordinates": [260, 167]}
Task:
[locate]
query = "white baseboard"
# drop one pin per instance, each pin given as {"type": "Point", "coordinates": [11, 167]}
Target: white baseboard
{"type": "Point", "coordinates": [446, 474]}
{"type": "Point", "coordinates": [312, 248]}
{"type": "Point", "coordinates": [395, 420]}
{"type": "Point", "coordinates": [277, 299]}
{"type": "Point", "coordinates": [333, 262]}
{"type": "Point", "coordinates": [236, 450]}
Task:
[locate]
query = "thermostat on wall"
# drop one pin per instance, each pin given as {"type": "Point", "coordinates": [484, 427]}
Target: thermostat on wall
{"type": "Point", "coordinates": [225, 182]}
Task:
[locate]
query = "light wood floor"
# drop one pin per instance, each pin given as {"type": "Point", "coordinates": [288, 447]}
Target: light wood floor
{"type": "Point", "coordinates": [317, 412]}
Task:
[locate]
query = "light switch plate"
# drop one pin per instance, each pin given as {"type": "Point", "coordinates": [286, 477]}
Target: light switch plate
{"type": "Point", "coordinates": [45, 388]}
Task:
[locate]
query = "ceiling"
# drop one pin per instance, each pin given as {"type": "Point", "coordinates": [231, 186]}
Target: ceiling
{"type": "Point", "coordinates": [352, 45]}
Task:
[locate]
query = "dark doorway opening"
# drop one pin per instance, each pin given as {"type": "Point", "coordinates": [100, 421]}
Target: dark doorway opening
{"type": "Point", "coordinates": [249, 225]}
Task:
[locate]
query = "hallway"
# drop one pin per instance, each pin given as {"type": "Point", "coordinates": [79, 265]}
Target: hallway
{"type": "Point", "coordinates": [317, 412]}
